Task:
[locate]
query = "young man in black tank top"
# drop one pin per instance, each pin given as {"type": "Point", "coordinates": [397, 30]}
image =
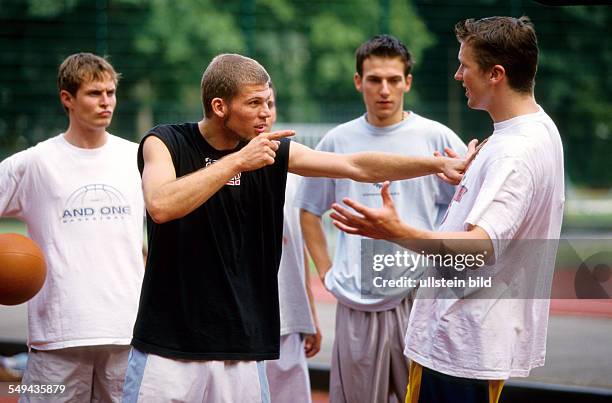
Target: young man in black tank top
{"type": "Point", "coordinates": [214, 192]}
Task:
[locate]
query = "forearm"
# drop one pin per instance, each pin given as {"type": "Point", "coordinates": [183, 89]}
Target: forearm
{"type": "Point", "coordinates": [472, 242]}
{"type": "Point", "coordinates": [181, 196]}
{"type": "Point", "coordinates": [378, 167]}
{"type": "Point", "coordinates": [314, 237]}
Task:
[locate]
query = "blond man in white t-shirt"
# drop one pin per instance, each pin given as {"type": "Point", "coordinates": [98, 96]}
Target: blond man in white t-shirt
{"type": "Point", "coordinates": [79, 194]}
{"type": "Point", "coordinates": [462, 349]}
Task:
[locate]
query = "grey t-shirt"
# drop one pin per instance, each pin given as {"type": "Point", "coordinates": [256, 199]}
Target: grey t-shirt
{"type": "Point", "coordinates": [421, 202]}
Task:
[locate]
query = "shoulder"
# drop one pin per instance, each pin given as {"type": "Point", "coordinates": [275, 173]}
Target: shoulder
{"type": "Point", "coordinates": [346, 128]}
{"type": "Point", "coordinates": [433, 126]}
{"type": "Point", "coordinates": [350, 125]}
{"type": "Point", "coordinates": [170, 130]}
{"type": "Point", "coordinates": [174, 136]}
{"type": "Point", "coordinates": [437, 133]}
{"type": "Point", "coordinates": [345, 132]}
{"type": "Point", "coordinates": [18, 163]}
{"type": "Point", "coordinates": [41, 149]}
{"type": "Point", "coordinates": [528, 138]}
{"type": "Point", "coordinates": [122, 143]}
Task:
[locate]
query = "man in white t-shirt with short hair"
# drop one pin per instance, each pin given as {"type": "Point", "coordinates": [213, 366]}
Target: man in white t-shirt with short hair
{"type": "Point", "coordinates": [367, 359]}
{"type": "Point", "coordinates": [510, 199]}
{"type": "Point", "coordinates": [79, 194]}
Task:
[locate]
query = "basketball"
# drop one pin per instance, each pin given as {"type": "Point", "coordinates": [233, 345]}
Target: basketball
{"type": "Point", "coordinates": [22, 269]}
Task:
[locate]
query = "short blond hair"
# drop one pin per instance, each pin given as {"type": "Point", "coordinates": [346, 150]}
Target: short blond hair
{"type": "Point", "coordinates": [226, 74]}
{"type": "Point", "coordinates": [82, 68]}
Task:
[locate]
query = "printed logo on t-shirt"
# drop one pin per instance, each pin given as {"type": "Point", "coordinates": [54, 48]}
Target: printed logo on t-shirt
{"type": "Point", "coordinates": [95, 202]}
{"type": "Point", "coordinates": [461, 190]}
{"type": "Point", "coordinates": [377, 186]}
{"type": "Point", "coordinates": [235, 181]}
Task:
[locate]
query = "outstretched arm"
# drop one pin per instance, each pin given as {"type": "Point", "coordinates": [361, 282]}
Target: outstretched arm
{"type": "Point", "coordinates": [168, 197]}
{"type": "Point", "coordinates": [384, 223]}
{"type": "Point", "coordinates": [374, 166]}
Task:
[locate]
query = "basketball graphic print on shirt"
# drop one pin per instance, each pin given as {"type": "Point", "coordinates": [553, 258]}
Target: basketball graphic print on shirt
{"type": "Point", "coordinates": [95, 202]}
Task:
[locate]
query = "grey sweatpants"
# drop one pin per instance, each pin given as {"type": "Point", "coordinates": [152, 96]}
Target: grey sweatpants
{"type": "Point", "coordinates": [368, 362]}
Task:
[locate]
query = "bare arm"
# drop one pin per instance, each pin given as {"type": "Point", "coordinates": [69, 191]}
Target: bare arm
{"type": "Point", "coordinates": [168, 197]}
{"type": "Point", "coordinates": [312, 342]}
{"type": "Point", "coordinates": [384, 223]}
{"type": "Point", "coordinates": [372, 166]}
{"type": "Point", "coordinates": [316, 242]}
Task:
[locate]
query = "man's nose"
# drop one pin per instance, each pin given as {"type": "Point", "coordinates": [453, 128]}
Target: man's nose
{"type": "Point", "coordinates": [385, 88]}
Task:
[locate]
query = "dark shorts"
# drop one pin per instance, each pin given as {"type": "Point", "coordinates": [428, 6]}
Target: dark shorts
{"type": "Point", "coordinates": [429, 386]}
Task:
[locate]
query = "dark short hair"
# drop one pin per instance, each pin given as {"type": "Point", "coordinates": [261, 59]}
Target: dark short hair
{"type": "Point", "coordinates": [507, 41]}
{"type": "Point", "coordinates": [226, 74]}
{"type": "Point", "coordinates": [383, 46]}
{"type": "Point", "coordinates": [82, 68]}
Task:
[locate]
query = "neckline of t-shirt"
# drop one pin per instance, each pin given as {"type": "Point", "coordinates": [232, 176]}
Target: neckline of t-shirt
{"type": "Point", "coordinates": [505, 124]}
{"type": "Point", "coordinates": [387, 129]}
{"type": "Point", "coordinates": [85, 151]}
{"type": "Point", "coordinates": [195, 130]}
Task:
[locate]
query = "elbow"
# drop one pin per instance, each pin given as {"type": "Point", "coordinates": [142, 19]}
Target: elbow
{"type": "Point", "coordinates": [361, 176]}
{"type": "Point", "coordinates": [355, 173]}
{"type": "Point", "coordinates": [157, 212]}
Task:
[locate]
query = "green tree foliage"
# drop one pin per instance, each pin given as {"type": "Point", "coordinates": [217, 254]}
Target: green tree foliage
{"type": "Point", "coordinates": [309, 47]}
{"type": "Point", "coordinates": [162, 46]}
{"type": "Point", "coordinates": [575, 85]}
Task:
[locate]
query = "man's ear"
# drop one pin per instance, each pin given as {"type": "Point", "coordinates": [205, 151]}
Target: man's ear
{"type": "Point", "coordinates": [219, 107]}
{"type": "Point", "coordinates": [498, 73]}
{"type": "Point", "coordinates": [408, 83]}
{"type": "Point", "coordinates": [358, 82]}
{"type": "Point", "coordinates": [66, 99]}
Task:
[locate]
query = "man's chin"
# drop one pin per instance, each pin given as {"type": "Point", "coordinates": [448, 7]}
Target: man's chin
{"type": "Point", "coordinates": [247, 137]}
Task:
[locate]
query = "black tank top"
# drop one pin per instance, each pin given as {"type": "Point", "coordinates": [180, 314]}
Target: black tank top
{"type": "Point", "coordinates": [210, 290]}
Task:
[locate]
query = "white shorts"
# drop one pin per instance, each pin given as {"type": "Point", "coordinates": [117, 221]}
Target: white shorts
{"type": "Point", "coordinates": [288, 376]}
{"type": "Point", "coordinates": [89, 373]}
{"type": "Point", "coordinates": [152, 378]}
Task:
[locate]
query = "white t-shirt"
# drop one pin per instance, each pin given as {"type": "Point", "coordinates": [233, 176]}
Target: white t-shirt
{"type": "Point", "coordinates": [514, 190]}
{"type": "Point", "coordinates": [85, 209]}
{"type": "Point", "coordinates": [295, 313]}
{"type": "Point", "coordinates": [420, 201]}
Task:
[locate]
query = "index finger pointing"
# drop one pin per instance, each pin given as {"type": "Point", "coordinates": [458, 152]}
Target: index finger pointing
{"type": "Point", "coordinates": [280, 134]}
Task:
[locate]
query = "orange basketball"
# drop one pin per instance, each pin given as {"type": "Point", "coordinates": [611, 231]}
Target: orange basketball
{"type": "Point", "coordinates": [22, 269]}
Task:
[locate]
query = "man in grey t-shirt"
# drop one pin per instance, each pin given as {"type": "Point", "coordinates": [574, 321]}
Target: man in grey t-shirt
{"type": "Point", "coordinates": [367, 359]}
